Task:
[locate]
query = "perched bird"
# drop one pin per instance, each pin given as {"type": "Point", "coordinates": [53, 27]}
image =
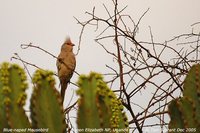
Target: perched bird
{"type": "Point", "coordinates": [66, 64]}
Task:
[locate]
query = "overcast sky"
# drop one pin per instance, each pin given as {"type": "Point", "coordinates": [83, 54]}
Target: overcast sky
{"type": "Point", "coordinates": [46, 23]}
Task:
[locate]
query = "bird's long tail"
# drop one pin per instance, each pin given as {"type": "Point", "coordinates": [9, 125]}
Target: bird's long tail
{"type": "Point", "coordinates": [63, 89]}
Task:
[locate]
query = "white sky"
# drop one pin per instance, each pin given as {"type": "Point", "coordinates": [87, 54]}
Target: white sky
{"type": "Point", "coordinates": [46, 23]}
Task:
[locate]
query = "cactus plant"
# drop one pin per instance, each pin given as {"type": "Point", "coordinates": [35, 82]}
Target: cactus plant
{"type": "Point", "coordinates": [185, 111]}
{"type": "Point", "coordinates": [46, 104]}
{"type": "Point", "coordinates": [46, 108]}
{"type": "Point", "coordinates": [13, 96]}
{"type": "Point", "coordinates": [3, 83]}
{"type": "Point", "coordinates": [98, 107]}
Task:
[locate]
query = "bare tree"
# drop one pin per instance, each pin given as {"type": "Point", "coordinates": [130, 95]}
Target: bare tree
{"type": "Point", "coordinates": [143, 66]}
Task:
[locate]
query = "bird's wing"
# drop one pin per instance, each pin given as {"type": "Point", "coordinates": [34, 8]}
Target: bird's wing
{"type": "Point", "coordinates": [58, 63]}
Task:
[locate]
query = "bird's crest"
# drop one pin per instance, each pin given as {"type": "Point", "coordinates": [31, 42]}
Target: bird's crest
{"type": "Point", "coordinates": [68, 41]}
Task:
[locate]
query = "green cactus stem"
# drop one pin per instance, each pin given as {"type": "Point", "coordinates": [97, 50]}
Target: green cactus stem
{"type": "Point", "coordinates": [175, 115]}
{"type": "Point", "coordinates": [46, 107]}
{"type": "Point", "coordinates": [3, 82]}
{"type": "Point", "coordinates": [185, 111]}
{"type": "Point", "coordinates": [192, 88]}
{"type": "Point", "coordinates": [12, 97]}
{"type": "Point", "coordinates": [98, 107]}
